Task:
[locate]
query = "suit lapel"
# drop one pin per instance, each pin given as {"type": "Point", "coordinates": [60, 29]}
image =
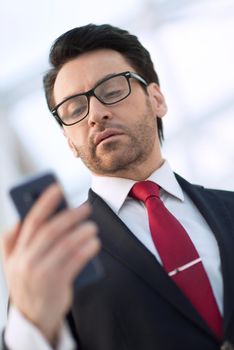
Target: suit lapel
{"type": "Point", "coordinates": [119, 242]}
{"type": "Point", "coordinates": [219, 219]}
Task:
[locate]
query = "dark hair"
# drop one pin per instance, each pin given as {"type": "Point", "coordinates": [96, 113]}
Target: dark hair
{"type": "Point", "coordinates": [91, 37]}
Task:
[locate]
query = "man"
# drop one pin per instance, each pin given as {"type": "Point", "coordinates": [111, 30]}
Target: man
{"type": "Point", "coordinates": [168, 257]}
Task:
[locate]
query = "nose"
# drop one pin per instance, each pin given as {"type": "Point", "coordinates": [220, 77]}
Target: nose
{"type": "Point", "coordinates": [98, 112]}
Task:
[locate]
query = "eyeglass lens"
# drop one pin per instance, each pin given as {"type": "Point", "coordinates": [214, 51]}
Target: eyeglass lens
{"type": "Point", "coordinates": [108, 92]}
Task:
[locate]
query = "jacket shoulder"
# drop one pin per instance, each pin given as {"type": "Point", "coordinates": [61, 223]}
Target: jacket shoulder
{"type": "Point", "coordinates": [225, 196]}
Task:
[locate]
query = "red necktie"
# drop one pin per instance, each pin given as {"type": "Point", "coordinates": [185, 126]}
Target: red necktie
{"type": "Point", "coordinates": [178, 254]}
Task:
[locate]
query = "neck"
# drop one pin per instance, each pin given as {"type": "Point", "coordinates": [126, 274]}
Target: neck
{"type": "Point", "coordinates": [139, 172]}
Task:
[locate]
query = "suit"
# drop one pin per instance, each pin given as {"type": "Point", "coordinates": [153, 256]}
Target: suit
{"type": "Point", "coordinates": [137, 306]}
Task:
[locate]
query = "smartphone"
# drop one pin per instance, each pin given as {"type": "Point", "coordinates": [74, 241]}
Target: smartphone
{"type": "Point", "coordinates": [25, 194]}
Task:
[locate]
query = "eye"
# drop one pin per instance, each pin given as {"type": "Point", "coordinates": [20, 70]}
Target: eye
{"type": "Point", "coordinates": [108, 95]}
{"type": "Point", "coordinates": [77, 111]}
{"type": "Point", "coordinates": [75, 108]}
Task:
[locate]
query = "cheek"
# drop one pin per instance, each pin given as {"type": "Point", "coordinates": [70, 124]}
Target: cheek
{"type": "Point", "coordinates": [77, 135]}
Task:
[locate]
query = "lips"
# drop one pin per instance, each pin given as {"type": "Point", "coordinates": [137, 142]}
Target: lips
{"type": "Point", "coordinates": [103, 135]}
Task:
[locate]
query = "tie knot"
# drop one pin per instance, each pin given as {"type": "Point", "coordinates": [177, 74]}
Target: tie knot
{"type": "Point", "coordinates": [144, 189]}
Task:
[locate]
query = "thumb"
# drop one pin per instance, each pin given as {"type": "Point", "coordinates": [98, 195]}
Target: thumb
{"type": "Point", "coordinates": [8, 241]}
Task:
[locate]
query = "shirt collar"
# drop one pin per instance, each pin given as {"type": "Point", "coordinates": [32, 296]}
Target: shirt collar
{"type": "Point", "coordinates": [114, 190]}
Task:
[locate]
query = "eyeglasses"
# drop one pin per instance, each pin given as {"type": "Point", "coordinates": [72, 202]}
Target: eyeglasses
{"type": "Point", "coordinates": [110, 90]}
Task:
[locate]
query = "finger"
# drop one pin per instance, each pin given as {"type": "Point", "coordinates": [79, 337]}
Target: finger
{"type": "Point", "coordinates": [39, 213]}
{"type": "Point", "coordinates": [49, 234]}
{"type": "Point", "coordinates": [81, 257]}
{"type": "Point", "coordinates": [68, 246]}
{"type": "Point", "coordinates": [8, 241]}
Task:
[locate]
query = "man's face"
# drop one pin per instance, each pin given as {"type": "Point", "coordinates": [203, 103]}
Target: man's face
{"type": "Point", "coordinates": [119, 139]}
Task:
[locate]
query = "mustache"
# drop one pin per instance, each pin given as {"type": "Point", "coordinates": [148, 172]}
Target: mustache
{"type": "Point", "coordinates": [119, 128]}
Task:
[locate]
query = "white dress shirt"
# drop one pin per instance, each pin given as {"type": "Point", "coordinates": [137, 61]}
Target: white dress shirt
{"type": "Point", "coordinates": [20, 334]}
{"type": "Point", "coordinates": [114, 191]}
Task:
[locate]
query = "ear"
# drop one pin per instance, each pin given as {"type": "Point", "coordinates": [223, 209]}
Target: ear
{"type": "Point", "coordinates": [157, 100]}
{"type": "Point", "coordinates": [72, 146]}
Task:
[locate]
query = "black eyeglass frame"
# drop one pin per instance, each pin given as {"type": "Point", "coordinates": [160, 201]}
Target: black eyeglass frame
{"type": "Point", "coordinates": [91, 92]}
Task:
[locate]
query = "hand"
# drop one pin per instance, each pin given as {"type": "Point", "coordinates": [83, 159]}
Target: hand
{"type": "Point", "coordinates": [43, 255]}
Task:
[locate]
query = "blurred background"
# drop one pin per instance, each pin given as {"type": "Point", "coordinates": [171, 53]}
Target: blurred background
{"type": "Point", "coordinates": [192, 45]}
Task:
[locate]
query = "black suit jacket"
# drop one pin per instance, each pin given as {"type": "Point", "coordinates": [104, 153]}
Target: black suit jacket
{"type": "Point", "coordinates": [136, 305]}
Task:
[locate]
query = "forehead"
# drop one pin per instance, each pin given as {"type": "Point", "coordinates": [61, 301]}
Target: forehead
{"type": "Point", "coordinates": [83, 72]}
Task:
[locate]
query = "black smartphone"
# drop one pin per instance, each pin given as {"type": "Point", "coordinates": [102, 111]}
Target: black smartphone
{"type": "Point", "coordinates": [25, 194]}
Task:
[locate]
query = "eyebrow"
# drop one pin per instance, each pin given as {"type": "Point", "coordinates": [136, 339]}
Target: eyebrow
{"type": "Point", "coordinates": [105, 77]}
{"type": "Point", "coordinates": [99, 81]}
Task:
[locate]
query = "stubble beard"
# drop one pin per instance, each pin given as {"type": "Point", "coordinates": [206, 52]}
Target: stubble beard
{"type": "Point", "coordinates": [118, 156]}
